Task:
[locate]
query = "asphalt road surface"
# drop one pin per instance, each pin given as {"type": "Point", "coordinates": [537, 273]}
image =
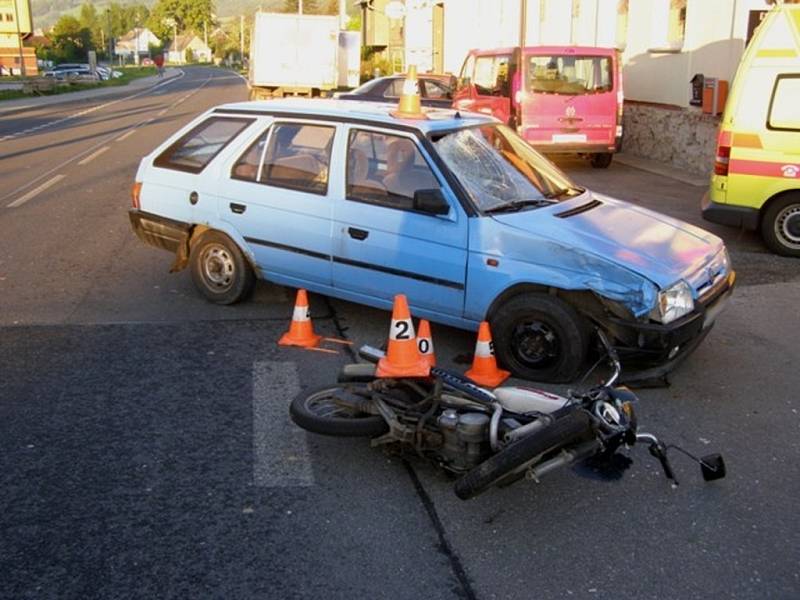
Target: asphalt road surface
{"type": "Point", "coordinates": [146, 450]}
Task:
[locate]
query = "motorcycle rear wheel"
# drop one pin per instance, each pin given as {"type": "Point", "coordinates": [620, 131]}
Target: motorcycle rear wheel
{"type": "Point", "coordinates": [565, 431]}
{"type": "Point", "coordinates": [319, 413]}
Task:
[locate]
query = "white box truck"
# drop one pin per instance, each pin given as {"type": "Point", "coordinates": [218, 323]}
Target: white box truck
{"type": "Point", "coordinates": [293, 55]}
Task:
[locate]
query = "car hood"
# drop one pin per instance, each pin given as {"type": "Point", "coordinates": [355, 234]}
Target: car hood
{"type": "Point", "coordinates": [658, 247]}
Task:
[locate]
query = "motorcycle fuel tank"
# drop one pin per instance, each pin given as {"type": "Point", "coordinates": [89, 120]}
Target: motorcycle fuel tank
{"type": "Point", "coordinates": [526, 400]}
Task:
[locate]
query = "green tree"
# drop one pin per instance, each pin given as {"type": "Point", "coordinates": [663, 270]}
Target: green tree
{"type": "Point", "coordinates": [71, 41]}
{"type": "Point", "coordinates": [188, 15]}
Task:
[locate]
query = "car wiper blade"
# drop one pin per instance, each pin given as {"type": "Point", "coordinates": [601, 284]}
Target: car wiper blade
{"type": "Point", "coordinates": [516, 205]}
{"type": "Point", "coordinates": [570, 192]}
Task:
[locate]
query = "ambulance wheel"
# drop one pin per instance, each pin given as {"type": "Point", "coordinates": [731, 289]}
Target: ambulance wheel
{"type": "Point", "coordinates": [219, 269]}
{"type": "Point", "coordinates": [601, 160]}
{"type": "Point", "coordinates": [780, 225]}
{"type": "Point", "coordinates": [541, 338]}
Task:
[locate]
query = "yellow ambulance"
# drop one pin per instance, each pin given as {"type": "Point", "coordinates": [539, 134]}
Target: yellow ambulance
{"type": "Point", "coordinates": [756, 179]}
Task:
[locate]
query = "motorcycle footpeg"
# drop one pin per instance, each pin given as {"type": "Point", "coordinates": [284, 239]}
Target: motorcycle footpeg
{"type": "Point", "coordinates": [713, 467]}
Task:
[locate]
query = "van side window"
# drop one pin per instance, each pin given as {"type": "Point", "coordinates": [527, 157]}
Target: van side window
{"type": "Point", "coordinates": [492, 76]}
{"type": "Point", "coordinates": [386, 170]}
{"type": "Point", "coordinates": [246, 168]}
{"type": "Point", "coordinates": [298, 157]}
{"type": "Point", "coordinates": [192, 152]}
{"type": "Point", "coordinates": [783, 112]}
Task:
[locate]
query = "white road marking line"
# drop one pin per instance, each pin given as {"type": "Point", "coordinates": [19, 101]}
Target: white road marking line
{"type": "Point", "coordinates": [126, 135]}
{"type": "Point", "coordinates": [162, 112]}
{"type": "Point", "coordinates": [93, 155]}
{"type": "Point", "coordinates": [23, 199]}
{"type": "Point", "coordinates": [281, 457]}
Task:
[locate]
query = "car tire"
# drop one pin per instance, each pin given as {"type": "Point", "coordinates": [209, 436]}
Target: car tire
{"type": "Point", "coordinates": [540, 337]}
{"type": "Point", "coordinates": [780, 225]}
{"type": "Point", "coordinates": [601, 160]}
{"type": "Point", "coordinates": [219, 269]}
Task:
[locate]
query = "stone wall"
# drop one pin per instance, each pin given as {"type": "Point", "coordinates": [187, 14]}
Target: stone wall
{"type": "Point", "coordinates": [683, 138]}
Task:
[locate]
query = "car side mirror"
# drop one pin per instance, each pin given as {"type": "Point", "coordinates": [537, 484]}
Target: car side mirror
{"type": "Point", "coordinates": [431, 202]}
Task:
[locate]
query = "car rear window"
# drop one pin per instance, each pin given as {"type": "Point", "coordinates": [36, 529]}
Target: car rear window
{"type": "Point", "coordinates": [569, 75]}
{"type": "Point", "coordinates": [193, 151]}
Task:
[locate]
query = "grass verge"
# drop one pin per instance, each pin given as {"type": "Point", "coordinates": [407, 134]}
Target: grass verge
{"type": "Point", "coordinates": [128, 75]}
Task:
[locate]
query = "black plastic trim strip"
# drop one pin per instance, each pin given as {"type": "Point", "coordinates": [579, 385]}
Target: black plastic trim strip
{"type": "Point", "coordinates": [355, 263]}
{"type": "Point", "coordinates": [579, 209]}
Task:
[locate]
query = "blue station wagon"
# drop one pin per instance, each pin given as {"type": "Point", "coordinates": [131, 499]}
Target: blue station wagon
{"type": "Point", "coordinates": [454, 210]}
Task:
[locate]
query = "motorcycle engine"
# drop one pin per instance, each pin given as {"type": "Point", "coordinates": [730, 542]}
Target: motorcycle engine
{"type": "Point", "coordinates": [466, 438]}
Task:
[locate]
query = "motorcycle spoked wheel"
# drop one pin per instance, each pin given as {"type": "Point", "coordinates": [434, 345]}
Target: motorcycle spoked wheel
{"type": "Point", "coordinates": [504, 465]}
{"type": "Point", "coordinates": [318, 412]}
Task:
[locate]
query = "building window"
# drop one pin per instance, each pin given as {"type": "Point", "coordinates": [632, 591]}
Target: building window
{"type": "Point", "coordinates": [668, 25]}
{"type": "Point", "coordinates": [10, 17]}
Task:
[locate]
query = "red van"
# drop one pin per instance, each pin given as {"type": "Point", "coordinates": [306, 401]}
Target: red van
{"type": "Point", "coordinates": [561, 99]}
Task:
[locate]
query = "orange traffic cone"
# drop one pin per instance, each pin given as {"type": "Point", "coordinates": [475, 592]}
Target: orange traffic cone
{"type": "Point", "coordinates": [425, 342]}
{"type": "Point", "coordinates": [301, 332]}
{"type": "Point", "coordinates": [402, 357]}
{"type": "Point", "coordinates": [484, 369]}
{"type": "Point", "coordinates": [410, 104]}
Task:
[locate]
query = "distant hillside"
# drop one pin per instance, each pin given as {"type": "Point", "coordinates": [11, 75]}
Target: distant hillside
{"type": "Point", "coordinates": [47, 12]}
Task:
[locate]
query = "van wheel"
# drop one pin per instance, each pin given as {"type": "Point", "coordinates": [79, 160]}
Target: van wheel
{"type": "Point", "coordinates": [601, 160]}
{"type": "Point", "coordinates": [540, 337]}
{"type": "Point", "coordinates": [219, 269]}
{"type": "Point", "coordinates": [780, 226]}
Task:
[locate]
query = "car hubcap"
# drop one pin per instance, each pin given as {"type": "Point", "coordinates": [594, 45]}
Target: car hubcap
{"type": "Point", "coordinates": [535, 344]}
{"type": "Point", "coordinates": [787, 226]}
{"type": "Point", "coordinates": [218, 267]}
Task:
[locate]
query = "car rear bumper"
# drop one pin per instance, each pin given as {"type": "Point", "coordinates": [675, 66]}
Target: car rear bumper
{"type": "Point", "coordinates": [572, 148]}
{"type": "Point", "coordinates": [655, 349]}
{"type": "Point", "coordinates": [158, 231]}
{"type": "Point", "coordinates": [727, 214]}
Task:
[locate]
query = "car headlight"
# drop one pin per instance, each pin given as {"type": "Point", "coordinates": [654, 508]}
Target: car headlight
{"type": "Point", "coordinates": [673, 303]}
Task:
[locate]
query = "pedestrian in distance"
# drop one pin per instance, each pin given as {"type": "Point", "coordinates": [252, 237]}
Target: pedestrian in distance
{"type": "Point", "coordinates": [159, 60]}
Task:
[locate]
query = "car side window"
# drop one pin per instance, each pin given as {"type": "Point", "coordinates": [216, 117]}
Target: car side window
{"type": "Point", "coordinates": [298, 157]}
{"type": "Point", "coordinates": [192, 152]}
{"type": "Point", "coordinates": [386, 170]}
{"type": "Point", "coordinates": [246, 168]}
{"type": "Point", "coordinates": [394, 89]}
{"type": "Point", "coordinates": [492, 75]}
{"type": "Point", "coordinates": [436, 91]}
{"type": "Point", "coordinates": [783, 113]}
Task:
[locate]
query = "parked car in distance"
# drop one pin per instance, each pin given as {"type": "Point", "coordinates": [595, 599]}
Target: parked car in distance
{"type": "Point", "coordinates": [435, 90]}
{"type": "Point", "coordinates": [454, 210]}
{"type": "Point", "coordinates": [756, 179]}
{"type": "Point", "coordinates": [74, 74]}
{"type": "Point", "coordinates": [560, 99]}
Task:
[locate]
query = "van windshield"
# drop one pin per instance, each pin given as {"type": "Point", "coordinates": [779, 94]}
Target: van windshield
{"type": "Point", "coordinates": [569, 75]}
{"type": "Point", "coordinates": [500, 171]}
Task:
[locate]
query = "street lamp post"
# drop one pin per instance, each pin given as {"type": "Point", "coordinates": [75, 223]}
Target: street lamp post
{"type": "Point", "coordinates": [19, 36]}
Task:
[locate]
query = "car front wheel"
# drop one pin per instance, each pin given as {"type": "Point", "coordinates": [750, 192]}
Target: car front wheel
{"type": "Point", "coordinates": [541, 338]}
{"type": "Point", "coordinates": [219, 269]}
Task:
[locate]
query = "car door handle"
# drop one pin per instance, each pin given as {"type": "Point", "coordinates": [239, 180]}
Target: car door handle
{"type": "Point", "coordinates": [357, 234]}
{"type": "Point", "coordinates": [238, 208]}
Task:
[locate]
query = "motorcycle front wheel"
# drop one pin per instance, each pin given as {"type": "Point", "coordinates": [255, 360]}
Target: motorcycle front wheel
{"type": "Point", "coordinates": [319, 412]}
{"type": "Point", "coordinates": [505, 464]}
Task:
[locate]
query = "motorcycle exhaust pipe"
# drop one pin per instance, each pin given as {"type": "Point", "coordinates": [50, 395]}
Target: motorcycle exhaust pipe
{"type": "Point", "coordinates": [564, 459]}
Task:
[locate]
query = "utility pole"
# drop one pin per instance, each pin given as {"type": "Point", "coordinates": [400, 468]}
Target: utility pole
{"type": "Point", "coordinates": [299, 7]}
{"type": "Point", "coordinates": [19, 36]}
{"type": "Point", "coordinates": [205, 32]}
{"type": "Point", "coordinates": [523, 22]}
{"type": "Point", "coordinates": [241, 38]}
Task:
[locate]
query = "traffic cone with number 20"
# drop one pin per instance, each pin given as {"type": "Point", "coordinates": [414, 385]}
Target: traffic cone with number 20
{"type": "Point", "coordinates": [484, 369]}
{"type": "Point", "coordinates": [402, 356]}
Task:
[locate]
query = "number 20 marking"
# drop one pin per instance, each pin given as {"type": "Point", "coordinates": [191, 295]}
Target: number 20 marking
{"type": "Point", "coordinates": [403, 330]}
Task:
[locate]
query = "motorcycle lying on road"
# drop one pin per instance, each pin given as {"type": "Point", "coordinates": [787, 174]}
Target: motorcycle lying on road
{"type": "Point", "coordinates": [486, 438]}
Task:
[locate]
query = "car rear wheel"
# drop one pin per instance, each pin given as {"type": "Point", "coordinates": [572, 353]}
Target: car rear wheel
{"type": "Point", "coordinates": [540, 337]}
{"type": "Point", "coordinates": [601, 160]}
{"type": "Point", "coordinates": [219, 269]}
{"type": "Point", "coordinates": [780, 226]}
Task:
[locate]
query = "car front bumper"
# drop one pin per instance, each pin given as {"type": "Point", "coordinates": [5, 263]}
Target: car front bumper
{"type": "Point", "coordinates": [654, 349]}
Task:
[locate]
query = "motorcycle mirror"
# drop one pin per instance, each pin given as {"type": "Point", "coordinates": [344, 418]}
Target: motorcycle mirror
{"type": "Point", "coordinates": [712, 466]}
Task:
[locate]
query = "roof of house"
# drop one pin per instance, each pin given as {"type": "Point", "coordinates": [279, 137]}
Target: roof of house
{"type": "Point", "coordinates": [181, 42]}
{"type": "Point", "coordinates": [133, 34]}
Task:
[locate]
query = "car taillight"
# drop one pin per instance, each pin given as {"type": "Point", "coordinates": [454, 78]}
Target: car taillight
{"type": "Point", "coordinates": [722, 160]}
{"type": "Point", "coordinates": [135, 191]}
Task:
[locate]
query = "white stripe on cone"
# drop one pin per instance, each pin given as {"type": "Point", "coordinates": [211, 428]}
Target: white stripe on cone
{"type": "Point", "coordinates": [301, 313]}
{"type": "Point", "coordinates": [484, 349]}
{"type": "Point", "coordinates": [401, 329]}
